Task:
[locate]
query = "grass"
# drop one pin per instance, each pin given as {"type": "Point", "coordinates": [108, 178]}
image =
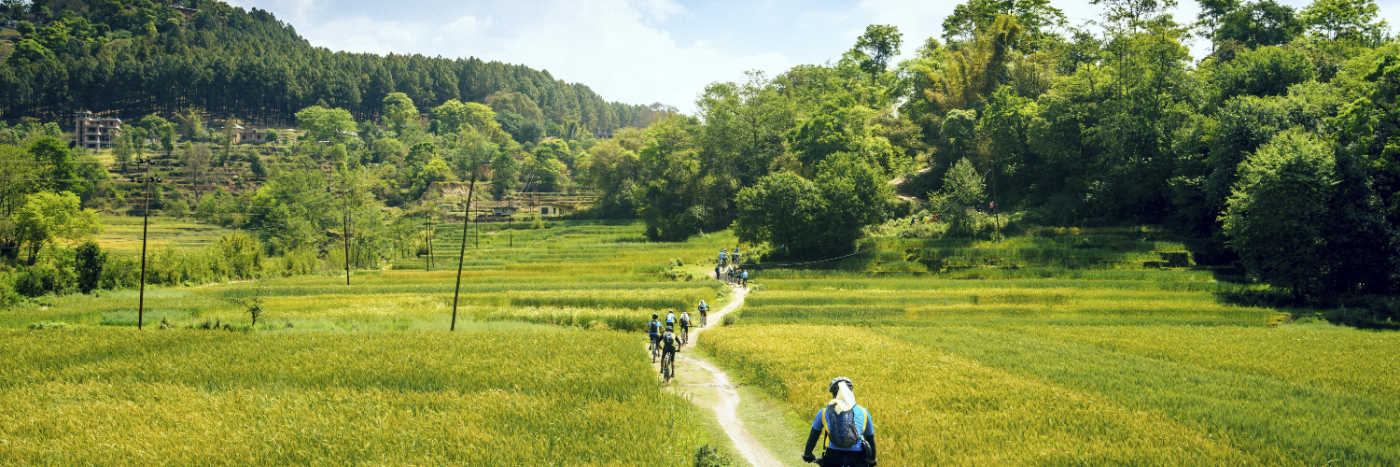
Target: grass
{"type": "Point", "coordinates": [104, 397]}
{"type": "Point", "coordinates": [1062, 348]}
{"type": "Point", "coordinates": [367, 374]}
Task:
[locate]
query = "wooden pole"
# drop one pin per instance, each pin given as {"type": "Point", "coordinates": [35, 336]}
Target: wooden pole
{"type": "Point", "coordinates": [145, 223]}
{"type": "Point", "coordinates": [461, 257]}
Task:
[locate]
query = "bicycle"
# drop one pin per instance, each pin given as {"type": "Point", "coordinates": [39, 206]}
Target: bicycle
{"type": "Point", "coordinates": [685, 334]}
{"type": "Point", "coordinates": [655, 349]}
{"type": "Point", "coordinates": [668, 366]}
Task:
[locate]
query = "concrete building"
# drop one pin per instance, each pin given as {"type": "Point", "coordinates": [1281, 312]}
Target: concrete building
{"type": "Point", "coordinates": [97, 132]}
{"type": "Point", "coordinates": [248, 135]}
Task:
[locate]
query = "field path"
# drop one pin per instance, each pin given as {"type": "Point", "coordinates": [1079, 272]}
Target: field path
{"type": "Point", "coordinates": [727, 407]}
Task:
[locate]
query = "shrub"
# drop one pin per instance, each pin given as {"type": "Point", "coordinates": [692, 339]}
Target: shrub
{"type": "Point", "coordinates": [42, 279]}
{"type": "Point", "coordinates": [89, 262]}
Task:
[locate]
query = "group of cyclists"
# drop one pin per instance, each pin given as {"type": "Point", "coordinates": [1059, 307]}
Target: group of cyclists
{"type": "Point", "coordinates": [664, 341]}
{"type": "Point", "coordinates": [727, 268]}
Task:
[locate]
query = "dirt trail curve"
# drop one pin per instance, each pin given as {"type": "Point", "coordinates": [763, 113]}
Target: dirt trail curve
{"type": "Point", "coordinates": [727, 409]}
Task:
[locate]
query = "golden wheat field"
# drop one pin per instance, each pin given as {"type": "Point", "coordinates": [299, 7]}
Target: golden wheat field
{"type": "Point", "coordinates": [1025, 352]}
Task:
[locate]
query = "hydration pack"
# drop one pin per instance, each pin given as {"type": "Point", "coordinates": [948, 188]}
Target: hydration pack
{"type": "Point", "coordinates": [841, 428]}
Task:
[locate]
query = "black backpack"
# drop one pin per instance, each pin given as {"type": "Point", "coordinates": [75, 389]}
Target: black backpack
{"type": "Point", "coordinates": [841, 427]}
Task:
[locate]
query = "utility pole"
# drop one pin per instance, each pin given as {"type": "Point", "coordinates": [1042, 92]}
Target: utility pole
{"type": "Point", "coordinates": [145, 223]}
{"type": "Point", "coordinates": [461, 257]}
{"type": "Point", "coordinates": [346, 198]}
{"type": "Point", "coordinates": [996, 212]}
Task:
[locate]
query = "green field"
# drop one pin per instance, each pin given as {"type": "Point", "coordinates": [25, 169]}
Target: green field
{"type": "Point", "coordinates": [1055, 348]}
{"type": "Point", "coordinates": [1011, 358]}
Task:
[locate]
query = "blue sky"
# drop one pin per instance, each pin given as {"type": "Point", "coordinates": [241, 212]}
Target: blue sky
{"type": "Point", "coordinates": [636, 51]}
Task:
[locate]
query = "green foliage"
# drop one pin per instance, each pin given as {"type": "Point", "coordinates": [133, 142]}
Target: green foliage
{"type": "Point", "coordinates": [1258, 24]}
{"type": "Point", "coordinates": [1353, 20]}
{"type": "Point", "coordinates": [322, 124]}
{"type": "Point", "coordinates": [1273, 214]}
{"type": "Point", "coordinates": [1266, 71]}
{"type": "Point", "coordinates": [89, 262]}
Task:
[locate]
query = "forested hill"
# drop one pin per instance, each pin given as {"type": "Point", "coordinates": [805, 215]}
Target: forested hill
{"type": "Point", "coordinates": [136, 57]}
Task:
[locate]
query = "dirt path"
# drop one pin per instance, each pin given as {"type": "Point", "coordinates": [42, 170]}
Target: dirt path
{"type": "Point", "coordinates": [727, 406]}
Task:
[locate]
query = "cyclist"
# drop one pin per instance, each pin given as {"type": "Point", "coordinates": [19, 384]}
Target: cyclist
{"type": "Point", "coordinates": [850, 433]}
{"type": "Point", "coordinates": [723, 255]}
{"type": "Point", "coordinates": [669, 347]}
{"type": "Point", "coordinates": [670, 318]}
{"type": "Point", "coordinates": [685, 323]}
{"type": "Point", "coordinates": [654, 332]}
{"type": "Point", "coordinates": [744, 277]}
{"type": "Point", "coordinates": [704, 310]}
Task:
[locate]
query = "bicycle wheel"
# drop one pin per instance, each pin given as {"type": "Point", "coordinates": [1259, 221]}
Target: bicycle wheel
{"type": "Point", "coordinates": [666, 366]}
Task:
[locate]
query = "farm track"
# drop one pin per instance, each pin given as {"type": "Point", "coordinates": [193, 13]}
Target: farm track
{"type": "Point", "coordinates": [727, 407]}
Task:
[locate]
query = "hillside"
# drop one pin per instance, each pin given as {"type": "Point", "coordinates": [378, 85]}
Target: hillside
{"type": "Point", "coordinates": [131, 58]}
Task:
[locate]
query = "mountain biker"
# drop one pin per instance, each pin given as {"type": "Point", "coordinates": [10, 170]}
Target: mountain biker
{"type": "Point", "coordinates": [704, 310]}
{"type": "Point", "coordinates": [670, 318]}
{"type": "Point", "coordinates": [654, 332]}
{"type": "Point", "coordinates": [744, 278]}
{"type": "Point", "coordinates": [723, 255]}
{"type": "Point", "coordinates": [669, 347]}
{"type": "Point", "coordinates": [685, 322]}
{"type": "Point", "coordinates": [850, 433]}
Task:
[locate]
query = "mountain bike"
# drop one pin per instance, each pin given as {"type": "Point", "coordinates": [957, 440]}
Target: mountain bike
{"type": "Point", "coordinates": [685, 335]}
{"type": "Point", "coordinates": [655, 348]}
{"type": "Point", "coordinates": [668, 366]}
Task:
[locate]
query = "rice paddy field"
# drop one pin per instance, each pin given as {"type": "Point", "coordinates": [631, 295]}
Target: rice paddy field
{"type": "Point", "coordinates": [1062, 349]}
{"type": "Point", "coordinates": [1059, 347]}
{"type": "Point", "coordinates": [542, 369]}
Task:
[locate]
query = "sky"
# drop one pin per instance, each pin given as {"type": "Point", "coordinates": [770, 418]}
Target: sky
{"type": "Point", "coordinates": [639, 51]}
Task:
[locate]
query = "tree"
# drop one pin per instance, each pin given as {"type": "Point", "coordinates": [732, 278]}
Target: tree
{"type": "Point", "coordinates": [256, 165]}
{"type": "Point", "coordinates": [196, 158]}
{"type": "Point", "coordinates": [1259, 24]}
{"type": "Point", "coordinates": [1274, 211]}
{"type": "Point", "coordinates": [1212, 14]}
{"type": "Point", "coordinates": [28, 51]}
{"type": "Point", "coordinates": [781, 209]}
{"type": "Point", "coordinates": [47, 217]}
{"type": "Point", "coordinates": [1266, 71]}
{"type": "Point", "coordinates": [1345, 19]}
{"type": "Point", "coordinates": [1038, 18]}
{"type": "Point", "coordinates": [399, 111]}
{"type": "Point", "coordinates": [877, 45]}
{"type": "Point", "coordinates": [89, 261]}
{"type": "Point", "coordinates": [454, 116]}
{"type": "Point", "coordinates": [323, 124]}
{"type": "Point", "coordinates": [122, 150]}
{"type": "Point", "coordinates": [667, 193]}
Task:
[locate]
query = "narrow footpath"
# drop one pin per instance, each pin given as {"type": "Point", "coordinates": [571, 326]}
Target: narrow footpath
{"type": "Point", "coordinates": [727, 406]}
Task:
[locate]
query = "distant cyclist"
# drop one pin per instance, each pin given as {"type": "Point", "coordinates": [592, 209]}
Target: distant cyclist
{"type": "Point", "coordinates": [685, 322]}
{"type": "Point", "coordinates": [744, 278]}
{"type": "Point", "coordinates": [723, 255]}
{"type": "Point", "coordinates": [670, 318]}
{"type": "Point", "coordinates": [654, 332]}
{"type": "Point", "coordinates": [850, 432]}
{"type": "Point", "coordinates": [704, 310]}
{"type": "Point", "coordinates": [669, 347]}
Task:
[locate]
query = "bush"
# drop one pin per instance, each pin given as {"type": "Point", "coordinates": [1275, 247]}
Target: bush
{"type": "Point", "coordinates": [89, 261]}
{"type": "Point", "coordinates": [706, 456]}
{"type": "Point", "coordinates": [42, 279]}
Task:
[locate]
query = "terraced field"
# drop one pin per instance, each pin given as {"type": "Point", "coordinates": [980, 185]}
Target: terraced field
{"type": "Point", "coordinates": [541, 370]}
{"type": "Point", "coordinates": [1010, 357]}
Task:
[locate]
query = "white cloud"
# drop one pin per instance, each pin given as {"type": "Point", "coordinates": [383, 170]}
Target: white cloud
{"type": "Point", "coordinates": [607, 45]}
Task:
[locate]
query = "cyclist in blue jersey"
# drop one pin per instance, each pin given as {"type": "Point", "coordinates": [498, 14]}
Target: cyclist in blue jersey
{"type": "Point", "coordinates": [850, 432]}
{"type": "Point", "coordinates": [654, 332]}
{"type": "Point", "coordinates": [670, 318]}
